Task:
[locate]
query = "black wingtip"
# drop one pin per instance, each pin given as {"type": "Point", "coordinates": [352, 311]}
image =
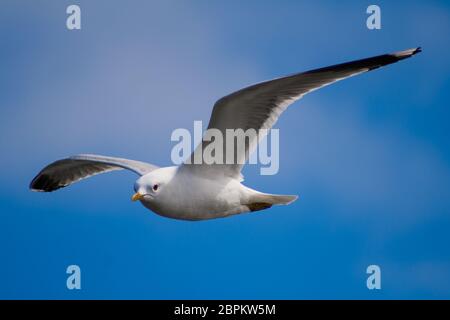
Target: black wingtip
{"type": "Point", "coordinates": [406, 53]}
{"type": "Point", "coordinates": [38, 183]}
{"type": "Point", "coordinates": [32, 186]}
{"type": "Point", "coordinates": [44, 183]}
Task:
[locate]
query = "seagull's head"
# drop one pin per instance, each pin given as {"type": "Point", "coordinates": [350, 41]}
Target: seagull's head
{"type": "Point", "coordinates": [150, 186]}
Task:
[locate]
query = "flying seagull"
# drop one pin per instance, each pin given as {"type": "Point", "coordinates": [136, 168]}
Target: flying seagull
{"type": "Point", "coordinates": [204, 191]}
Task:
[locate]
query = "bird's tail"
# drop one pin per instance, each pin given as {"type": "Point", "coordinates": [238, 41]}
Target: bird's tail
{"type": "Point", "coordinates": [260, 201]}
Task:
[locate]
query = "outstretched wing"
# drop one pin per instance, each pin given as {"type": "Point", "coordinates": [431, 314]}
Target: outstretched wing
{"type": "Point", "coordinates": [259, 106]}
{"type": "Point", "coordinates": [64, 172]}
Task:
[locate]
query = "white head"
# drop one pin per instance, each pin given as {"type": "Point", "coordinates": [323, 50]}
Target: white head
{"type": "Point", "coordinates": [150, 186]}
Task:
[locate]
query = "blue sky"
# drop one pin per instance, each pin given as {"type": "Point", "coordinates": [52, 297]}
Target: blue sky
{"type": "Point", "coordinates": [369, 156]}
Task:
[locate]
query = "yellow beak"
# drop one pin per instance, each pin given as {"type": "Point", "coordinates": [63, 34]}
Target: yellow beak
{"type": "Point", "coordinates": [136, 196]}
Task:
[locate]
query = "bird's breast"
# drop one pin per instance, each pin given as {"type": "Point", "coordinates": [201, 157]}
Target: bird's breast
{"type": "Point", "coordinates": [196, 199]}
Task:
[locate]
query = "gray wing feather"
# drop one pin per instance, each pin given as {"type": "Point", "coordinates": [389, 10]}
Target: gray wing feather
{"type": "Point", "coordinates": [259, 106]}
{"type": "Point", "coordinates": [64, 172]}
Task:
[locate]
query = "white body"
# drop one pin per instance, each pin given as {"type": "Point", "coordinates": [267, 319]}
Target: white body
{"type": "Point", "coordinates": [187, 196]}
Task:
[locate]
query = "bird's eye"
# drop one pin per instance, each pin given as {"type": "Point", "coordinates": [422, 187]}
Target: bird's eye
{"type": "Point", "coordinates": [155, 187]}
